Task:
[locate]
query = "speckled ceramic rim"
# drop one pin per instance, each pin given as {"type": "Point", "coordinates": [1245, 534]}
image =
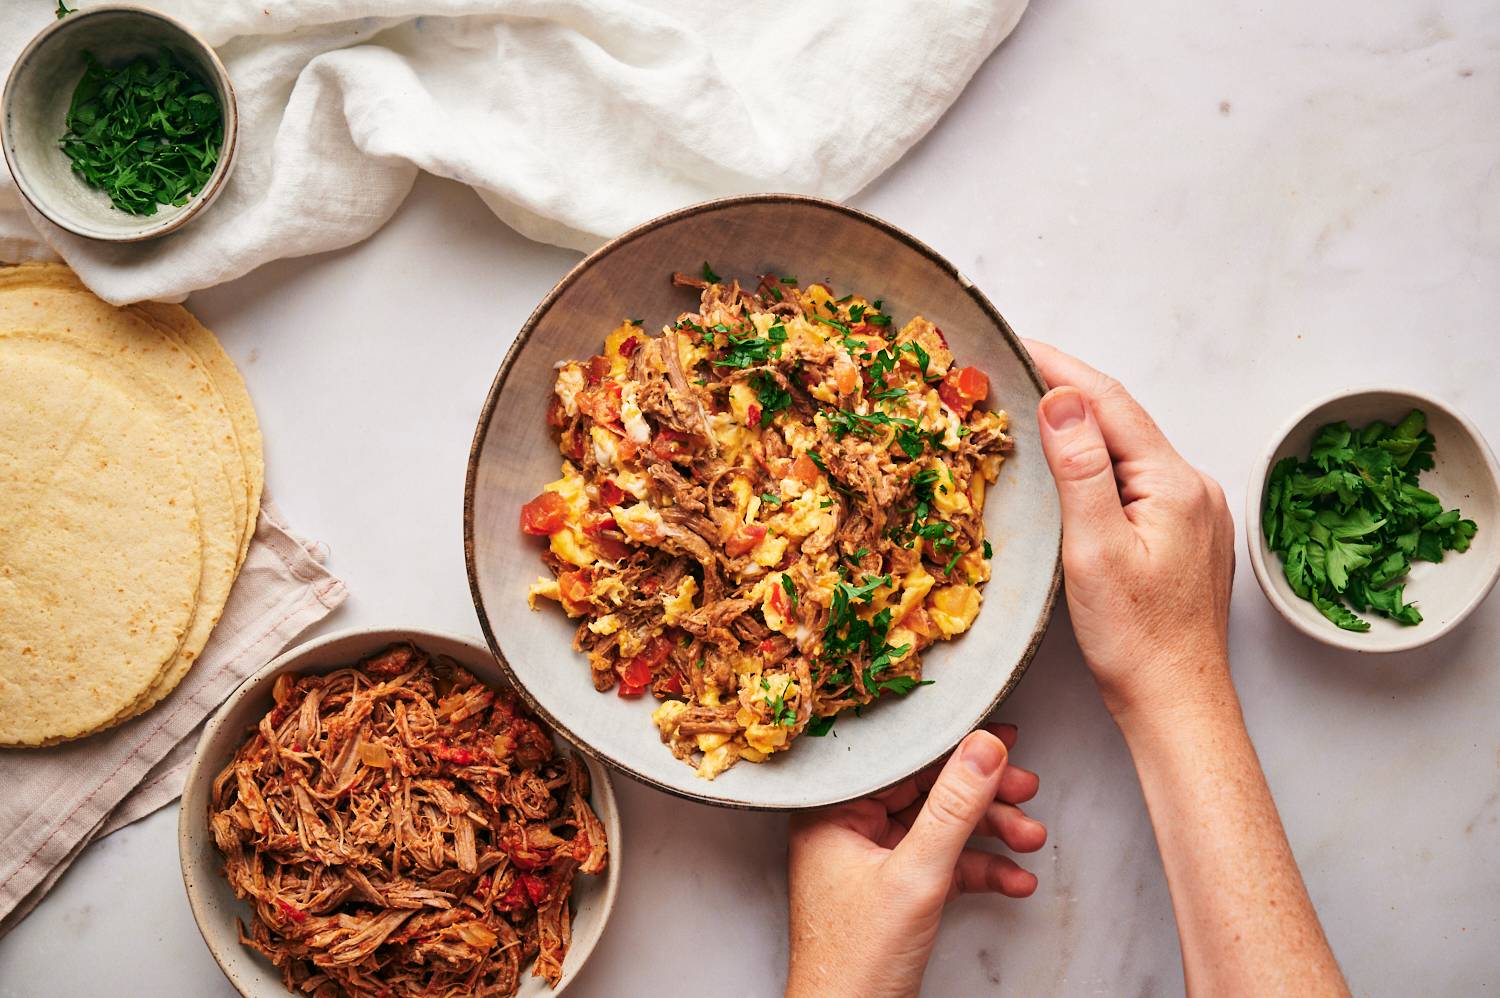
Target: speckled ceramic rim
{"type": "Point", "coordinates": [602, 788]}
{"type": "Point", "coordinates": [1263, 565]}
{"type": "Point", "coordinates": [486, 415]}
{"type": "Point", "coordinates": [199, 201]}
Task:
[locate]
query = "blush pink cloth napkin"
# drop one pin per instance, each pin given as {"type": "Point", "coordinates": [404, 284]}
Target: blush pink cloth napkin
{"type": "Point", "coordinates": [55, 801]}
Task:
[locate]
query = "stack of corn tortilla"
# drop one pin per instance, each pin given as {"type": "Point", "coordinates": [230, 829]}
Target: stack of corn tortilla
{"type": "Point", "coordinates": [130, 480]}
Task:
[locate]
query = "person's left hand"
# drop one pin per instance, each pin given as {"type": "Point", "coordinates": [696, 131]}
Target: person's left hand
{"type": "Point", "coordinates": [867, 881]}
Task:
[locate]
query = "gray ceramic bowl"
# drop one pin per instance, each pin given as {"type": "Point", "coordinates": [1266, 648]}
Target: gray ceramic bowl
{"type": "Point", "coordinates": [514, 455]}
{"type": "Point", "coordinates": [1465, 475]}
{"type": "Point", "coordinates": [34, 110]}
{"type": "Point", "coordinates": [214, 905]}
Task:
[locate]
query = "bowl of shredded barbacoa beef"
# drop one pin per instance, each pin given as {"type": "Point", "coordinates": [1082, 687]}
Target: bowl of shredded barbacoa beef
{"type": "Point", "coordinates": [756, 509]}
{"type": "Point", "coordinates": [377, 813]}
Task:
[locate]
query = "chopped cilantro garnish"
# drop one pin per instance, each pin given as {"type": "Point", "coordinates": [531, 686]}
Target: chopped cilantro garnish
{"type": "Point", "coordinates": [708, 274]}
{"type": "Point", "coordinates": [147, 133]}
{"type": "Point", "coordinates": [989, 552]}
{"type": "Point", "coordinates": [1349, 519]}
{"type": "Point", "coordinates": [820, 726]}
{"type": "Point", "coordinates": [832, 322]}
{"type": "Point", "coordinates": [788, 280]}
{"type": "Point", "coordinates": [878, 320]}
{"type": "Point", "coordinates": [770, 497]}
{"type": "Point", "coordinates": [790, 588]}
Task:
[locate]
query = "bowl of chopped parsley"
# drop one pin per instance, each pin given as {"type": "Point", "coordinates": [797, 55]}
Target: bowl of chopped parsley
{"type": "Point", "coordinates": [1373, 520]}
{"type": "Point", "coordinates": [118, 123]}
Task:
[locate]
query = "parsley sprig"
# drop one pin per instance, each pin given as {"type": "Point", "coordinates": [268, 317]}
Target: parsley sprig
{"type": "Point", "coordinates": [1349, 519]}
{"type": "Point", "coordinates": [147, 133]}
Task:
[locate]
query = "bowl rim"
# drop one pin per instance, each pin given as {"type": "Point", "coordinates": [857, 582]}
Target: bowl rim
{"type": "Point", "coordinates": [199, 201]}
{"type": "Point", "coordinates": [602, 786]}
{"type": "Point", "coordinates": [1261, 556]}
{"type": "Point", "coordinates": [523, 337]}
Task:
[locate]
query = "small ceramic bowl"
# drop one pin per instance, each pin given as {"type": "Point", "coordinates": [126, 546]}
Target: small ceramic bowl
{"type": "Point", "coordinates": [514, 454]}
{"type": "Point", "coordinates": [34, 110]}
{"type": "Point", "coordinates": [1465, 475]}
{"type": "Point", "coordinates": [215, 907]}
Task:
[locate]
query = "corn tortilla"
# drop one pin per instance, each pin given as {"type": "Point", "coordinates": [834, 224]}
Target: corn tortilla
{"type": "Point", "coordinates": [171, 366]}
{"type": "Point", "coordinates": [100, 551]}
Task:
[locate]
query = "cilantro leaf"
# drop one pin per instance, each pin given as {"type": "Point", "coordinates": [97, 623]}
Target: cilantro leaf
{"type": "Point", "coordinates": [1349, 519]}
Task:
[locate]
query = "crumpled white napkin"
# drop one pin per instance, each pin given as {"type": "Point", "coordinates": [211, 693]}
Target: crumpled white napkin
{"type": "Point", "coordinates": [572, 119]}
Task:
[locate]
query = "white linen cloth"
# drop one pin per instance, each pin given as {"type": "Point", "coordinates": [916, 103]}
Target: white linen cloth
{"type": "Point", "coordinates": [572, 119]}
{"type": "Point", "coordinates": [55, 801]}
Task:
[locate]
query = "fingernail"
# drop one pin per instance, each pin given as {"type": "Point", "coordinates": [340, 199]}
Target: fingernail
{"type": "Point", "coordinates": [984, 755]}
{"type": "Point", "coordinates": [1063, 408]}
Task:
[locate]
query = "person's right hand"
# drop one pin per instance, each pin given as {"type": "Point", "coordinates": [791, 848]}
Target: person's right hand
{"type": "Point", "coordinates": [1148, 544]}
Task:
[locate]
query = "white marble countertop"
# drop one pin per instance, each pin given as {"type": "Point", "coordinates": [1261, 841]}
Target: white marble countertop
{"type": "Point", "coordinates": [1233, 207]}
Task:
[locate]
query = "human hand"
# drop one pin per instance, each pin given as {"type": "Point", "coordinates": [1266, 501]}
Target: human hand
{"type": "Point", "coordinates": [867, 880]}
{"type": "Point", "coordinates": [1148, 544]}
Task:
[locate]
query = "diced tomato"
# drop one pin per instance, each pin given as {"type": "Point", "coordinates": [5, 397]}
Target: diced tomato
{"type": "Point", "coordinates": [671, 685]}
{"type": "Point", "coordinates": [295, 914]}
{"type": "Point", "coordinates": [627, 448]}
{"type": "Point", "coordinates": [767, 646]}
{"type": "Point", "coordinates": [610, 548]}
{"type": "Point", "coordinates": [611, 494]}
{"type": "Point", "coordinates": [804, 471]}
{"type": "Point", "coordinates": [779, 604]}
{"type": "Point", "coordinates": [545, 515]}
{"type": "Point", "coordinates": [572, 444]}
{"type": "Point", "coordinates": [668, 444]}
{"type": "Point", "coordinates": [636, 672]}
{"type": "Point", "coordinates": [743, 539]}
{"type": "Point", "coordinates": [601, 404]}
{"type": "Point", "coordinates": [752, 413]}
{"type": "Point", "coordinates": [557, 416]}
{"type": "Point", "coordinates": [599, 366]}
{"type": "Point", "coordinates": [575, 588]}
{"type": "Point", "coordinates": [962, 387]}
{"type": "Point", "coordinates": [630, 346]}
{"type": "Point", "coordinates": [598, 520]}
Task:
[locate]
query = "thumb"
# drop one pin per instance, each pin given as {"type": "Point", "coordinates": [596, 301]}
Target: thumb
{"type": "Point", "coordinates": [957, 801]}
{"type": "Point", "coordinates": [1080, 463]}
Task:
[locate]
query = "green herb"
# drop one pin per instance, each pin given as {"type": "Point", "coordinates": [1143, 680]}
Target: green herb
{"type": "Point", "coordinates": [989, 552]}
{"type": "Point", "coordinates": [709, 275]}
{"type": "Point", "coordinates": [146, 134]}
{"type": "Point", "coordinates": [63, 10]}
{"type": "Point", "coordinates": [857, 312]}
{"type": "Point", "coordinates": [820, 726]}
{"type": "Point", "coordinates": [790, 588]}
{"type": "Point", "coordinates": [1348, 520]}
{"type": "Point", "coordinates": [826, 504]}
{"type": "Point", "coordinates": [748, 351]}
{"type": "Point", "coordinates": [902, 685]}
{"type": "Point", "coordinates": [636, 322]}
{"type": "Point", "coordinates": [832, 322]}
{"type": "Point", "coordinates": [773, 398]}
{"type": "Point", "coordinates": [817, 460]}
{"type": "Point", "coordinates": [782, 713]}
{"type": "Point", "coordinates": [878, 320]}
{"type": "Point", "coordinates": [776, 293]}
{"type": "Point", "coordinates": [770, 497]}
{"type": "Point", "coordinates": [788, 280]}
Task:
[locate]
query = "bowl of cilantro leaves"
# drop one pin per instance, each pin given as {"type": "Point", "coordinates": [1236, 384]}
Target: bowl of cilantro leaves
{"type": "Point", "coordinates": [118, 123]}
{"type": "Point", "coordinates": [1373, 520]}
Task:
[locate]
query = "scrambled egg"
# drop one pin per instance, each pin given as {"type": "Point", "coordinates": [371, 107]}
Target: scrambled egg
{"type": "Point", "coordinates": [781, 395]}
